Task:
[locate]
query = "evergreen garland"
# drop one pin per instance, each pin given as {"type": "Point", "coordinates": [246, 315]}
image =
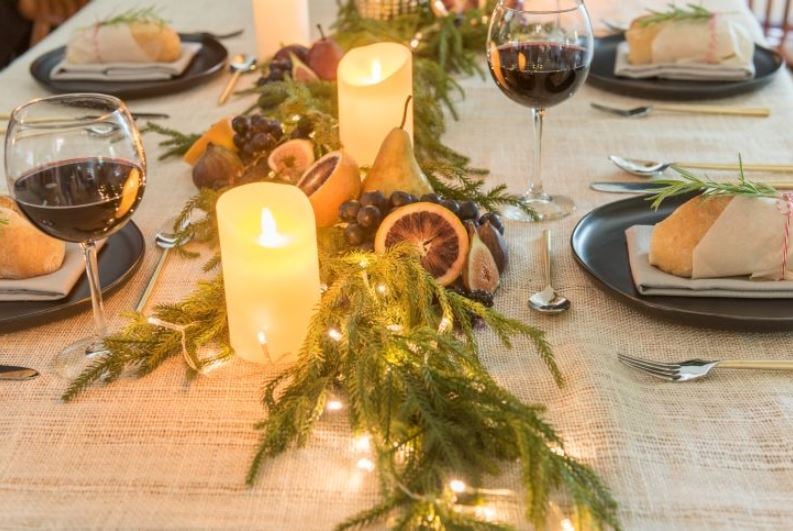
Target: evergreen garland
{"type": "Point", "coordinates": [405, 360]}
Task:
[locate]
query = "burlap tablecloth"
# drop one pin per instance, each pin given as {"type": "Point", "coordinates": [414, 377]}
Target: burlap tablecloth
{"type": "Point", "coordinates": [165, 453]}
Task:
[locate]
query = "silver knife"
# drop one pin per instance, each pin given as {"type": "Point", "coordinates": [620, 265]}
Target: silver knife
{"type": "Point", "coordinates": [9, 372]}
{"type": "Point", "coordinates": [625, 187]}
{"type": "Point", "coordinates": [649, 187]}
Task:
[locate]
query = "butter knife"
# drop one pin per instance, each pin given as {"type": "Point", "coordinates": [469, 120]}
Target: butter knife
{"type": "Point", "coordinates": [650, 187]}
{"type": "Point", "coordinates": [9, 372]}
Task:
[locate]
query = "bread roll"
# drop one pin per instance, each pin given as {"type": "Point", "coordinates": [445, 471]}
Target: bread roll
{"type": "Point", "coordinates": [640, 41]}
{"type": "Point", "coordinates": [25, 252]}
{"type": "Point", "coordinates": [674, 239]}
{"type": "Point", "coordinates": [135, 42]}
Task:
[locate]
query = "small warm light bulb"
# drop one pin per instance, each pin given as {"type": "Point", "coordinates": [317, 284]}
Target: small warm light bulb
{"type": "Point", "coordinates": [361, 444]}
{"type": "Point", "coordinates": [486, 512]}
{"type": "Point", "coordinates": [335, 335]}
{"type": "Point", "coordinates": [567, 525]}
{"type": "Point", "coordinates": [365, 464]}
{"type": "Point", "coordinates": [457, 486]}
{"type": "Point", "coordinates": [261, 337]}
{"type": "Point", "coordinates": [382, 289]}
{"type": "Point", "coordinates": [334, 405]}
{"type": "Point", "coordinates": [269, 236]}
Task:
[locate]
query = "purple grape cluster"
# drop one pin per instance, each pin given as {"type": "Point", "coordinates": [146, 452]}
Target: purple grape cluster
{"type": "Point", "coordinates": [256, 134]}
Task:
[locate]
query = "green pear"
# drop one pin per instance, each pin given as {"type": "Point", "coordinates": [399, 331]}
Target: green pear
{"type": "Point", "coordinates": [395, 168]}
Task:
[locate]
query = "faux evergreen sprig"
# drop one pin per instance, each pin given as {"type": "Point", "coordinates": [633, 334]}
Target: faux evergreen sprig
{"type": "Point", "coordinates": [177, 142]}
{"type": "Point", "coordinates": [689, 183]}
{"type": "Point", "coordinates": [142, 346]}
{"type": "Point", "coordinates": [691, 12]}
{"type": "Point", "coordinates": [420, 392]}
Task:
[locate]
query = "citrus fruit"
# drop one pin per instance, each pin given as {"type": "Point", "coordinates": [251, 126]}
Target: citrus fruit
{"type": "Point", "coordinates": [437, 233]}
{"type": "Point", "coordinates": [291, 159]}
{"type": "Point", "coordinates": [220, 134]}
{"type": "Point", "coordinates": [332, 180]}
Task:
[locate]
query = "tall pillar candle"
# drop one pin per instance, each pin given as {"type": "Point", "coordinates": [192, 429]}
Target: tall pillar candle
{"type": "Point", "coordinates": [280, 23]}
{"type": "Point", "coordinates": [268, 247]}
{"type": "Point", "coordinates": [374, 83]}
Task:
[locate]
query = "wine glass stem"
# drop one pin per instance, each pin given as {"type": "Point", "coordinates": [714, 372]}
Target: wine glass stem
{"type": "Point", "coordinates": [91, 269]}
{"type": "Point", "coordinates": [535, 180]}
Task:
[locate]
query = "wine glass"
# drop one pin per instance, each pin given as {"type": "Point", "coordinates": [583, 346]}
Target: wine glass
{"type": "Point", "coordinates": [539, 53]}
{"type": "Point", "coordinates": [76, 168]}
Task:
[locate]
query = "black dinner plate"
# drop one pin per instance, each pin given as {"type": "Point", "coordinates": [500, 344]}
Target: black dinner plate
{"type": "Point", "coordinates": [208, 62]}
{"type": "Point", "coordinates": [118, 261]}
{"type": "Point", "coordinates": [601, 75]}
{"type": "Point", "coordinates": [600, 248]}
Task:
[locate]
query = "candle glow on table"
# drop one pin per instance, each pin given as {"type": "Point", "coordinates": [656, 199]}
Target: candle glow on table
{"type": "Point", "coordinates": [268, 246]}
{"type": "Point", "coordinates": [280, 23]}
{"type": "Point", "coordinates": [373, 82]}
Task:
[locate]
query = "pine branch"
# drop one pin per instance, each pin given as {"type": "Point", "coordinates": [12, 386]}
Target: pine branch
{"type": "Point", "coordinates": [177, 142]}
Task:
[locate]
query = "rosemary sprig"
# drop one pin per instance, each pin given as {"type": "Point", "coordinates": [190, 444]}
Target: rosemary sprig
{"type": "Point", "coordinates": [692, 12]}
{"type": "Point", "coordinates": [137, 14]}
{"type": "Point", "coordinates": [689, 183]}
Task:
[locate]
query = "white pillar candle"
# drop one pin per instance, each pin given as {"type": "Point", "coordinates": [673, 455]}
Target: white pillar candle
{"type": "Point", "coordinates": [374, 83]}
{"type": "Point", "coordinates": [280, 23]}
{"type": "Point", "coordinates": [268, 246]}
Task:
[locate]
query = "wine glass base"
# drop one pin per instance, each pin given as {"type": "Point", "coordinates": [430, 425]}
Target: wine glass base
{"type": "Point", "coordinates": [75, 358]}
{"type": "Point", "coordinates": [545, 207]}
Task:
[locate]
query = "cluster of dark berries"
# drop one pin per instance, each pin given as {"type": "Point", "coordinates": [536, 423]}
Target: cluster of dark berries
{"type": "Point", "coordinates": [482, 297]}
{"type": "Point", "coordinates": [277, 70]}
{"type": "Point", "coordinates": [255, 134]}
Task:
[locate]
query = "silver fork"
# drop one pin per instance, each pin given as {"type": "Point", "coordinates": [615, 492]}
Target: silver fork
{"type": "Point", "coordinates": [686, 371]}
{"type": "Point", "coordinates": [644, 110]}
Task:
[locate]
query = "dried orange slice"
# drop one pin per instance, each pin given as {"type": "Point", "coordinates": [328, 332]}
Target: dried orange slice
{"type": "Point", "coordinates": [329, 182]}
{"type": "Point", "coordinates": [437, 233]}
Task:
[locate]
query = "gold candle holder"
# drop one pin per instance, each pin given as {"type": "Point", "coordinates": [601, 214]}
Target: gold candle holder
{"type": "Point", "coordinates": [387, 9]}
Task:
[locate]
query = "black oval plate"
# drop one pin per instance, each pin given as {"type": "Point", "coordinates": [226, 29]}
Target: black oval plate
{"type": "Point", "coordinates": [601, 75]}
{"type": "Point", "coordinates": [599, 247]}
{"type": "Point", "coordinates": [118, 261]}
{"type": "Point", "coordinates": [207, 63]}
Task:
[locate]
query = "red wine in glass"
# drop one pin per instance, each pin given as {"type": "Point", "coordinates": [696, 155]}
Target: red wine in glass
{"type": "Point", "coordinates": [539, 74]}
{"type": "Point", "coordinates": [539, 52]}
{"type": "Point", "coordinates": [75, 167]}
{"type": "Point", "coordinates": [80, 200]}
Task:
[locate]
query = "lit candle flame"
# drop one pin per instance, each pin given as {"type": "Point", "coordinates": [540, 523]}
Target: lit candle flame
{"type": "Point", "coordinates": [269, 236]}
{"type": "Point", "coordinates": [377, 71]}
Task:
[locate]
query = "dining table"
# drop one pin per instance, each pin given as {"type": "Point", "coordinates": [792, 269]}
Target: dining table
{"type": "Point", "coordinates": [171, 452]}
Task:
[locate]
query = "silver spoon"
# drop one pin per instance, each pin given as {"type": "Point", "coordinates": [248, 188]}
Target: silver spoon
{"type": "Point", "coordinates": [239, 63]}
{"type": "Point", "coordinates": [647, 168]}
{"type": "Point", "coordinates": [547, 301]}
{"type": "Point", "coordinates": [166, 241]}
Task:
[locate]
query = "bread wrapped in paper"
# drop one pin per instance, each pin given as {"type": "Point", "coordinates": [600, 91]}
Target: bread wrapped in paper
{"type": "Point", "coordinates": [25, 252]}
{"type": "Point", "coordinates": [719, 237]}
{"type": "Point", "coordinates": [143, 41]}
{"type": "Point", "coordinates": [713, 40]}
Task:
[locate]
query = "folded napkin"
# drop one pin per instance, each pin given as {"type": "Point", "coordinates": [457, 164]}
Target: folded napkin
{"type": "Point", "coordinates": [650, 281]}
{"type": "Point", "coordinates": [138, 71]}
{"type": "Point", "coordinates": [721, 50]}
{"type": "Point", "coordinates": [52, 287]}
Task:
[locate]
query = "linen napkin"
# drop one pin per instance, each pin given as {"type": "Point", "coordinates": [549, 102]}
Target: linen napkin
{"type": "Point", "coordinates": [126, 71]}
{"type": "Point", "coordinates": [52, 287]}
{"type": "Point", "coordinates": [651, 281]}
{"type": "Point", "coordinates": [718, 51]}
